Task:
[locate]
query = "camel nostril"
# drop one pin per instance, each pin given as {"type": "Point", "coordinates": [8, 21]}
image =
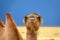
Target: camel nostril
{"type": "Point", "coordinates": [32, 19]}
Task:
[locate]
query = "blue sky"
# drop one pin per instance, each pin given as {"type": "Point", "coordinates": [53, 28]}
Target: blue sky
{"type": "Point", "coordinates": [48, 9]}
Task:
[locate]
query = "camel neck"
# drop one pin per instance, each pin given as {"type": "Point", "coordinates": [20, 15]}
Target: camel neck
{"type": "Point", "coordinates": [31, 36]}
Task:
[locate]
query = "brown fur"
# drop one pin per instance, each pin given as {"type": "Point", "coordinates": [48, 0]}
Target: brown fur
{"type": "Point", "coordinates": [32, 22]}
{"type": "Point", "coordinates": [1, 30]}
{"type": "Point", "coordinates": [11, 32]}
{"type": "Point", "coordinates": [1, 24]}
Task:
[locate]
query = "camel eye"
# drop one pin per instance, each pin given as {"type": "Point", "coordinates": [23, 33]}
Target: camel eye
{"type": "Point", "coordinates": [38, 18]}
{"type": "Point", "coordinates": [26, 17]}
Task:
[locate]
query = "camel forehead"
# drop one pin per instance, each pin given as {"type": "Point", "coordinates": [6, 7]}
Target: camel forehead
{"type": "Point", "coordinates": [33, 15]}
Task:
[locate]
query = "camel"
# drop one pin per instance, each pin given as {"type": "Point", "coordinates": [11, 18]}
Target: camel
{"type": "Point", "coordinates": [32, 22]}
{"type": "Point", "coordinates": [2, 28]}
{"type": "Point", "coordinates": [10, 31]}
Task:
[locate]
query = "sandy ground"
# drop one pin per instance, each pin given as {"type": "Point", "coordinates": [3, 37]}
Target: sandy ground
{"type": "Point", "coordinates": [44, 33]}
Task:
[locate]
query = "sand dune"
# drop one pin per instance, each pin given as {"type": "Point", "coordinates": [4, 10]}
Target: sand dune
{"type": "Point", "coordinates": [44, 33]}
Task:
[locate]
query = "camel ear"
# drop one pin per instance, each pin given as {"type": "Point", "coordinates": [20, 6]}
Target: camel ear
{"type": "Point", "coordinates": [1, 23]}
{"type": "Point", "coordinates": [41, 21]}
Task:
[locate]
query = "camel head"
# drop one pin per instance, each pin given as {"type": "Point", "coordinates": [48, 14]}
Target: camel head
{"type": "Point", "coordinates": [34, 20]}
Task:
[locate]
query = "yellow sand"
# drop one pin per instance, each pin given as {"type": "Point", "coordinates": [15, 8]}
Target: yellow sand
{"type": "Point", "coordinates": [44, 33]}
